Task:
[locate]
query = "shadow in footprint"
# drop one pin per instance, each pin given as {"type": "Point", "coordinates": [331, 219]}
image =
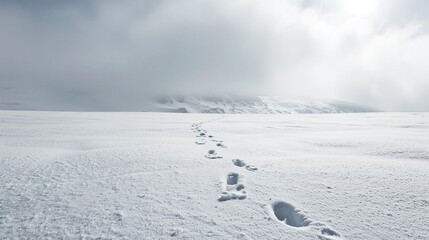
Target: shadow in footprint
{"type": "Point", "coordinates": [220, 145]}
{"type": "Point", "coordinates": [251, 168]}
{"type": "Point", "coordinates": [212, 155]}
{"type": "Point", "coordinates": [239, 162]}
{"type": "Point", "coordinates": [329, 232]}
{"type": "Point", "coordinates": [232, 179]}
{"type": "Point", "coordinates": [287, 213]}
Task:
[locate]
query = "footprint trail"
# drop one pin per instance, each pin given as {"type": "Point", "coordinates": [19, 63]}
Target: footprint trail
{"type": "Point", "coordinates": [233, 188]}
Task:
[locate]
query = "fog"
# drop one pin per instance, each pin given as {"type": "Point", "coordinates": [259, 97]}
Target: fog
{"type": "Point", "coordinates": [96, 53]}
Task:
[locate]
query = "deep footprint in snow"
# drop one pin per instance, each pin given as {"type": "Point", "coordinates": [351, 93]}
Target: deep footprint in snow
{"type": "Point", "coordinates": [232, 179]}
{"type": "Point", "coordinates": [233, 188]}
{"type": "Point", "coordinates": [288, 214]}
{"type": "Point", "coordinates": [212, 155]}
{"type": "Point", "coordinates": [239, 162]}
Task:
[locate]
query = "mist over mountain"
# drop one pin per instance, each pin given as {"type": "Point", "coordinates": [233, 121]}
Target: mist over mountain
{"type": "Point", "coordinates": [103, 55]}
{"type": "Point", "coordinates": [202, 103]}
{"type": "Point", "coordinates": [233, 104]}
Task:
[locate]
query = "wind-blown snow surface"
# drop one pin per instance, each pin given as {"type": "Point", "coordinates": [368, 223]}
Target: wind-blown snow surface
{"type": "Point", "coordinates": [148, 176]}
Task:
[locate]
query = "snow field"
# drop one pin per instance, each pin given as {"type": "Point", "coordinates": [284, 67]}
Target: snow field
{"type": "Point", "coordinates": [144, 176]}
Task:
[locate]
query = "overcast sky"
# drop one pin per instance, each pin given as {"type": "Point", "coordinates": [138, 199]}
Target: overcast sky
{"type": "Point", "coordinates": [373, 52]}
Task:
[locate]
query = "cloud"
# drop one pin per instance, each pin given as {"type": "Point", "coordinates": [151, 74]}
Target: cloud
{"type": "Point", "coordinates": [114, 53]}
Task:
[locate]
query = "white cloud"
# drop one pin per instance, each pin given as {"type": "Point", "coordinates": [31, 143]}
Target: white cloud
{"type": "Point", "coordinates": [367, 51]}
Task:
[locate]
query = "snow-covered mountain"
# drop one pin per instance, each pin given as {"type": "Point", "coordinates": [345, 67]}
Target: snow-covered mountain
{"type": "Point", "coordinates": [233, 104]}
{"type": "Point", "coordinates": [240, 105]}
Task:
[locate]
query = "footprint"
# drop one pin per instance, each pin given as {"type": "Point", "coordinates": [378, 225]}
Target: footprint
{"type": "Point", "coordinates": [329, 232]}
{"type": "Point", "coordinates": [220, 145]}
{"type": "Point", "coordinates": [233, 188]}
{"type": "Point", "coordinates": [251, 168]}
{"type": "Point", "coordinates": [212, 155]}
{"type": "Point", "coordinates": [242, 163]}
{"type": "Point", "coordinates": [239, 162]}
{"type": "Point", "coordinates": [287, 213]}
{"type": "Point", "coordinates": [117, 216]}
{"type": "Point", "coordinates": [232, 179]}
{"type": "Point", "coordinates": [201, 141]}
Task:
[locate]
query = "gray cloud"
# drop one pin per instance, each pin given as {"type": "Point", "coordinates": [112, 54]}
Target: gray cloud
{"type": "Point", "coordinates": [96, 54]}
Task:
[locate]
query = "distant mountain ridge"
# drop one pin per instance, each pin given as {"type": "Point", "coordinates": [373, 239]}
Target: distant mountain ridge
{"type": "Point", "coordinates": [229, 104]}
{"type": "Point", "coordinates": [254, 105]}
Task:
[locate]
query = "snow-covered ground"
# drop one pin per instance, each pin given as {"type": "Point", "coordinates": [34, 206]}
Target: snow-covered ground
{"type": "Point", "coordinates": [149, 176]}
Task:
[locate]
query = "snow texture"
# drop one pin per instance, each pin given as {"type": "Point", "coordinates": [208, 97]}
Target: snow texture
{"type": "Point", "coordinates": [67, 175]}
